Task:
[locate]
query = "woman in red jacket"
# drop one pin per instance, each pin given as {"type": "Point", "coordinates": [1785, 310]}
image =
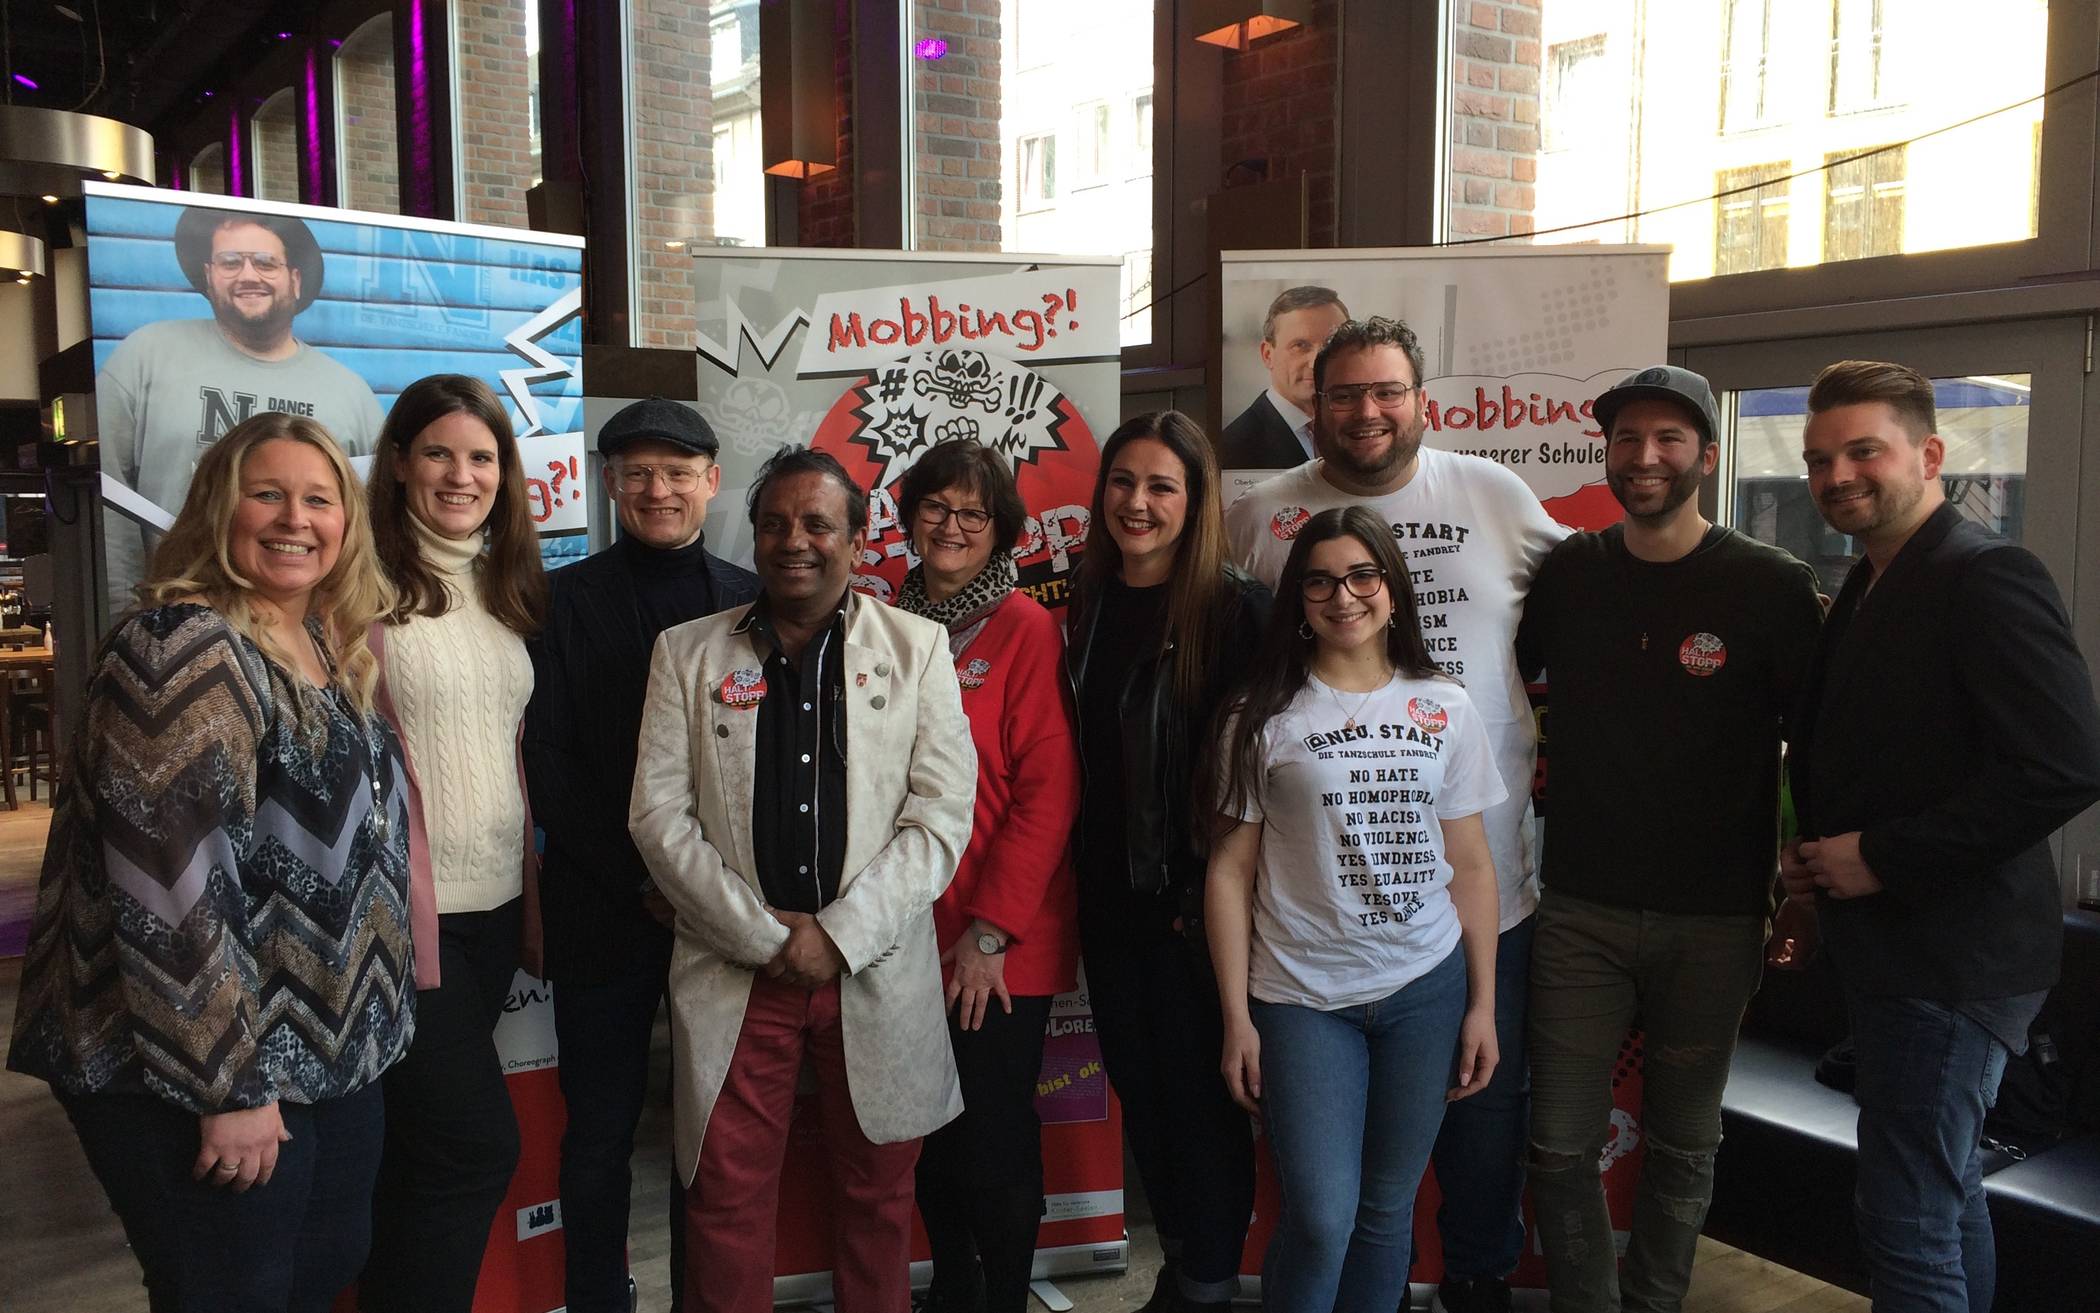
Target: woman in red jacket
{"type": "Point", "coordinates": [1008, 925]}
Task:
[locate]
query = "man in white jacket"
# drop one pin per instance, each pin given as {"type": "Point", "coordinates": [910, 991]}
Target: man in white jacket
{"type": "Point", "coordinates": [802, 795]}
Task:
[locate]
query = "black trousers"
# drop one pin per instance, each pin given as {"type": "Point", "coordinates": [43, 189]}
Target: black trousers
{"type": "Point", "coordinates": [451, 1137]}
{"type": "Point", "coordinates": [293, 1244]}
{"type": "Point", "coordinates": [980, 1177]}
{"type": "Point", "coordinates": [603, 1026]}
{"type": "Point", "coordinates": [1156, 1013]}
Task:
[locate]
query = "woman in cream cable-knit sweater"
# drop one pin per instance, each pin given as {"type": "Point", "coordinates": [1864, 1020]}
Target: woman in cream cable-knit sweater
{"type": "Point", "coordinates": [452, 528]}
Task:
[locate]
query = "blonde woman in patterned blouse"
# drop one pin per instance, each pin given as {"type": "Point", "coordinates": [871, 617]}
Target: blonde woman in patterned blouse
{"type": "Point", "coordinates": [220, 965]}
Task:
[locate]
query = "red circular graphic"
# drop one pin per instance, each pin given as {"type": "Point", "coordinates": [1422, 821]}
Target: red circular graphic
{"type": "Point", "coordinates": [1428, 715]}
{"type": "Point", "coordinates": [1702, 654]}
{"type": "Point", "coordinates": [743, 688]}
{"type": "Point", "coordinates": [1287, 522]}
{"type": "Point", "coordinates": [887, 419]}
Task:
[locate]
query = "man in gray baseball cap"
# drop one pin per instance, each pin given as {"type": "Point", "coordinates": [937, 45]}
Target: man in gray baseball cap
{"type": "Point", "coordinates": [608, 935]}
{"type": "Point", "coordinates": [1674, 650]}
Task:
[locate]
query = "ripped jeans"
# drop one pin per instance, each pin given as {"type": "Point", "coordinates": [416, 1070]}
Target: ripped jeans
{"type": "Point", "coordinates": [1598, 971]}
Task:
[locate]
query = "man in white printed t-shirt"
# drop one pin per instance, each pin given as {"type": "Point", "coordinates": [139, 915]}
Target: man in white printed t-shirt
{"type": "Point", "coordinates": [1474, 535]}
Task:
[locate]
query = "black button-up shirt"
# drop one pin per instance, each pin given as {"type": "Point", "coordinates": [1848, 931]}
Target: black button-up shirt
{"type": "Point", "coordinates": [798, 807]}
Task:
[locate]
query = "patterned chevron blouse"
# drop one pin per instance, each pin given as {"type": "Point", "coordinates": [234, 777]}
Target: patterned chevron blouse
{"type": "Point", "coordinates": [223, 915]}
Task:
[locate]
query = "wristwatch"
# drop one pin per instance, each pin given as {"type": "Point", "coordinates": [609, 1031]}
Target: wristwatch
{"type": "Point", "coordinates": [990, 944]}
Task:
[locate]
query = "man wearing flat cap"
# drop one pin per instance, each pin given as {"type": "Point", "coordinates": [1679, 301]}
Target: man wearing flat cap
{"type": "Point", "coordinates": [608, 933]}
{"type": "Point", "coordinates": [176, 386]}
{"type": "Point", "coordinates": [1674, 650]}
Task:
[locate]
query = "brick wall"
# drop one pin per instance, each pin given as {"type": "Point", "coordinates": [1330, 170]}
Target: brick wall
{"type": "Point", "coordinates": [369, 146]}
{"type": "Point", "coordinates": [275, 153]}
{"type": "Point", "coordinates": [955, 112]}
{"type": "Point", "coordinates": [674, 178]}
{"type": "Point", "coordinates": [495, 110]}
{"type": "Point", "coordinates": [1493, 173]}
{"type": "Point", "coordinates": [1280, 106]}
{"type": "Point", "coordinates": [825, 214]}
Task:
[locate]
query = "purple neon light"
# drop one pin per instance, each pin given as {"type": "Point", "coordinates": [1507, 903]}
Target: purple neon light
{"type": "Point", "coordinates": [422, 149]}
{"type": "Point", "coordinates": [236, 162]}
{"type": "Point", "coordinates": [930, 47]}
{"type": "Point", "coordinates": [25, 81]}
{"type": "Point", "coordinates": [314, 188]}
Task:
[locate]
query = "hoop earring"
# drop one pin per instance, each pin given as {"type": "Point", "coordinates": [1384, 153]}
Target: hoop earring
{"type": "Point", "coordinates": [1305, 630]}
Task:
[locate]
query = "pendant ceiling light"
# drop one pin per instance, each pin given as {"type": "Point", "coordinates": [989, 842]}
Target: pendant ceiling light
{"type": "Point", "coordinates": [48, 152]}
{"type": "Point", "coordinates": [21, 256]}
{"type": "Point", "coordinates": [1237, 24]}
{"type": "Point", "coordinates": [798, 90]}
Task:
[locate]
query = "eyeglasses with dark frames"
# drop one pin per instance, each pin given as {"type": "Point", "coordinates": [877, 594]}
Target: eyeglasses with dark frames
{"type": "Point", "coordinates": [935, 514]}
{"type": "Point", "coordinates": [1345, 397]}
{"type": "Point", "coordinates": [1363, 582]}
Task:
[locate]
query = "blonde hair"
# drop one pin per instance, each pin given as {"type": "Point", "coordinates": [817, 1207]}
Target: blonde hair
{"type": "Point", "coordinates": [195, 558]}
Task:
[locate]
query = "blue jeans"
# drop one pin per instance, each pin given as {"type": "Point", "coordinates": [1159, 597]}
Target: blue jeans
{"type": "Point", "coordinates": [1926, 1076]}
{"type": "Point", "coordinates": [1479, 1155]}
{"type": "Point", "coordinates": [293, 1244]}
{"type": "Point", "coordinates": [1352, 1100]}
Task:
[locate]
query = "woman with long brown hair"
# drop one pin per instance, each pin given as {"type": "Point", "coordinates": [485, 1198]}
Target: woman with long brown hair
{"type": "Point", "coordinates": [454, 532]}
{"type": "Point", "coordinates": [1159, 622]}
{"type": "Point", "coordinates": [218, 968]}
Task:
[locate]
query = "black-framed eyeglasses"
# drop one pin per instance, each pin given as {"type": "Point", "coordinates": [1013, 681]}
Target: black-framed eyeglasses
{"type": "Point", "coordinates": [640, 478]}
{"type": "Point", "coordinates": [230, 262]}
{"type": "Point", "coordinates": [1343, 397]}
{"type": "Point", "coordinates": [1361, 583]}
{"type": "Point", "coordinates": [934, 514]}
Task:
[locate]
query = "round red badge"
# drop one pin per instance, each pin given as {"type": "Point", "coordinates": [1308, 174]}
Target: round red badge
{"type": "Point", "coordinates": [743, 688]}
{"type": "Point", "coordinates": [1702, 654]}
{"type": "Point", "coordinates": [1428, 716]}
{"type": "Point", "coordinates": [1286, 523]}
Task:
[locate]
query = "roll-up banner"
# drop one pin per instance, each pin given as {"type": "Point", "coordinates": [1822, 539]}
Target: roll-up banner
{"type": "Point", "coordinates": [326, 314]}
{"type": "Point", "coordinates": [875, 356]}
{"type": "Point", "coordinates": [1516, 343]}
{"type": "Point", "coordinates": [205, 310]}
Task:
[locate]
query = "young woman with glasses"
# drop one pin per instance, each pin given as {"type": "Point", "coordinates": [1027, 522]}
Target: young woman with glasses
{"type": "Point", "coordinates": [1161, 625]}
{"type": "Point", "coordinates": [1006, 925]}
{"type": "Point", "coordinates": [1351, 912]}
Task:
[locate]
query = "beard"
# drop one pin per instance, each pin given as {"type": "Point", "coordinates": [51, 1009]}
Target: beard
{"type": "Point", "coordinates": [1679, 491]}
{"type": "Point", "coordinates": [266, 326]}
{"type": "Point", "coordinates": [1372, 467]}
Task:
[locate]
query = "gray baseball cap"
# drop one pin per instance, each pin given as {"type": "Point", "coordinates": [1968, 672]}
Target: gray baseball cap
{"type": "Point", "coordinates": [1662, 383]}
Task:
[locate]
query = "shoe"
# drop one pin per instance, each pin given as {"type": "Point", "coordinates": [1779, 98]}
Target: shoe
{"type": "Point", "coordinates": [1166, 1293]}
{"type": "Point", "coordinates": [1477, 1295]}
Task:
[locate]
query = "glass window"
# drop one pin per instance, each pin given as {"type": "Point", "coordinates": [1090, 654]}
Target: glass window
{"type": "Point", "coordinates": [1750, 215]}
{"type": "Point", "coordinates": [496, 46]}
{"type": "Point", "coordinates": [987, 120]}
{"type": "Point", "coordinates": [208, 170]}
{"type": "Point", "coordinates": [1568, 117]}
{"type": "Point", "coordinates": [1863, 204]}
{"type": "Point", "coordinates": [1982, 419]}
{"type": "Point", "coordinates": [367, 142]}
{"type": "Point", "coordinates": [698, 163]}
{"type": "Point", "coordinates": [273, 140]}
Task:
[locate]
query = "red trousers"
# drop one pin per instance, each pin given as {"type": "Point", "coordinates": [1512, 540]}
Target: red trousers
{"type": "Point", "coordinates": [733, 1204]}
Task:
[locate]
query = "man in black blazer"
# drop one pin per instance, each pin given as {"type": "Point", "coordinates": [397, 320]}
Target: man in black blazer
{"type": "Point", "coordinates": [1275, 433]}
{"type": "Point", "coordinates": [1948, 729]}
{"type": "Point", "coordinates": [608, 932]}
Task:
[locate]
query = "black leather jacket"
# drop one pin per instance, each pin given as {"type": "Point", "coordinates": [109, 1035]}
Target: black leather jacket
{"type": "Point", "coordinates": [1158, 738]}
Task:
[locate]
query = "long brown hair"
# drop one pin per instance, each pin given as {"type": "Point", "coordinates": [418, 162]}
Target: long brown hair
{"type": "Point", "coordinates": [1196, 586]}
{"type": "Point", "coordinates": [195, 558]}
{"type": "Point", "coordinates": [512, 582]}
{"type": "Point", "coordinates": [1283, 661]}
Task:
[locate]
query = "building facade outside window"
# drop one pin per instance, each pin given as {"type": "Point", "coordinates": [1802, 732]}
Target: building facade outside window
{"type": "Point", "coordinates": [1568, 114]}
{"type": "Point", "coordinates": [207, 171]}
{"type": "Point", "coordinates": [273, 147]}
{"type": "Point", "coordinates": [368, 152]}
{"type": "Point", "coordinates": [495, 88]}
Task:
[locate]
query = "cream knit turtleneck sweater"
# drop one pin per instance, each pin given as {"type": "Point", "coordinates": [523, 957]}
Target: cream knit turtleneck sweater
{"type": "Point", "coordinates": [459, 684]}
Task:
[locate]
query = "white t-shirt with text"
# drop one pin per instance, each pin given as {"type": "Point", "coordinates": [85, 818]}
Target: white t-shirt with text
{"type": "Point", "coordinates": [1352, 890]}
{"type": "Point", "coordinates": [1474, 535]}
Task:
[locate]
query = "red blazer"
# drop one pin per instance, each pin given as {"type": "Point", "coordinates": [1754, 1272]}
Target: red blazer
{"type": "Point", "coordinates": [1017, 871]}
